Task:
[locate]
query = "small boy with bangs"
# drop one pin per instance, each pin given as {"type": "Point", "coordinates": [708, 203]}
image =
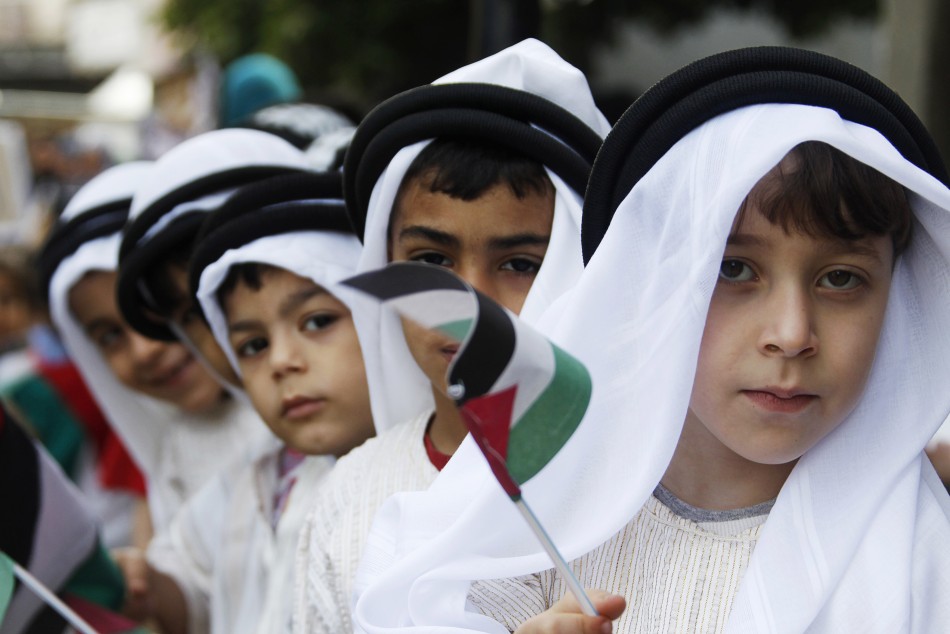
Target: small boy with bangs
{"type": "Point", "coordinates": [797, 495]}
{"type": "Point", "coordinates": [265, 271]}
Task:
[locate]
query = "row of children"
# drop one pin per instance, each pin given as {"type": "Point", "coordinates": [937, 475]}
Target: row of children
{"type": "Point", "coordinates": [758, 285]}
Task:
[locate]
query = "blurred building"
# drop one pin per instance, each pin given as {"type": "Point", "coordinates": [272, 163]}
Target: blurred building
{"type": "Point", "coordinates": [84, 83]}
{"type": "Point", "coordinates": [906, 48]}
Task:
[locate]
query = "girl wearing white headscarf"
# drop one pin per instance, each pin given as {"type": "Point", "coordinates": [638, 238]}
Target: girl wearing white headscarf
{"type": "Point", "coordinates": [183, 428]}
{"type": "Point", "coordinates": [231, 550]}
{"type": "Point", "coordinates": [526, 100]}
{"type": "Point", "coordinates": [856, 538]}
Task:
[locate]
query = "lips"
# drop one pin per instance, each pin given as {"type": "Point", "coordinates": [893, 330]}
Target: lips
{"type": "Point", "coordinates": [300, 407]}
{"type": "Point", "coordinates": [172, 373]}
{"type": "Point", "coordinates": [449, 351]}
{"type": "Point", "coordinates": [779, 400]}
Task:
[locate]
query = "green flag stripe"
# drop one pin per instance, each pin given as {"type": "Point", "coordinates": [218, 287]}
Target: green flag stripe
{"type": "Point", "coordinates": [551, 419]}
{"type": "Point", "coordinates": [6, 584]}
{"type": "Point", "coordinates": [457, 329]}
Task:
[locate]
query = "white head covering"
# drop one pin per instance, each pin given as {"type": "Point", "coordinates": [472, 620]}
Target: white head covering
{"type": "Point", "coordinates": [144, 424]}
{"type": "Point", "coordinates": [122, 405]}
{"type": "Point", "coordinates": [398, 389]}
{"type": "Point", "coordinates": [325, 256]}
{"type": "Point", "coordinates": [857, 538]}
{"type": "Point", "coordinates": [186, 183]}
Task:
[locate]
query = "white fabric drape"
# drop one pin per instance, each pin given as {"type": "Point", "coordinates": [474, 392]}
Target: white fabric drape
{"type": "Point", "coordinates": [326, 257]}
{"type": "Point", "coordinates": [176, 451]}
{"type": "Point", "coordinates": [857, 538]}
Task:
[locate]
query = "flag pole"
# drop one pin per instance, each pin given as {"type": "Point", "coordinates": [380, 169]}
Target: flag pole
{"type": "Point", "coordinates": [587, 606]}
{"type": "Point", "coordinates": [52, 600]}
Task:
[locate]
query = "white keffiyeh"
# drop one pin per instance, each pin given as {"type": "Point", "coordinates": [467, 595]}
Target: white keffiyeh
{"type": "Point", "coordinates": [325, 257]}
{"type": "Point", "coordinates": [857, 539]}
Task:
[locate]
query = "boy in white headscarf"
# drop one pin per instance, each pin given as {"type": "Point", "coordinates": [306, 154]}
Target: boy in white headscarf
{"type": "Point", "coordinates": [481, 172]}
{"type": "Point", "coordinates": [170, 412]}
{"type": "Point", "coordinates": [265, 273]}
{"type": "Point", "coordinates": [765, 380]}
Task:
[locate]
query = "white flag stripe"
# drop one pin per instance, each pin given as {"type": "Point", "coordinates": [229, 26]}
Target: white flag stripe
{"type": "Point", "coordinates": [431, 309]}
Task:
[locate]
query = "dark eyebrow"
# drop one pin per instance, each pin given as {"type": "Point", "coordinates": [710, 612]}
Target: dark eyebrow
{"type": "Point", "coordinates": [745, 240]}
{"type": "Point", "coordinates": [427, 233]}
{"type": "Point", "coordinates": [829, 245]}
{"type": "Point", "coordinates": [293, 301]}
{"type": "Point", "coordinates": [856, 247]}
{"type": "Point", "coordinates": [518, 240]}
{"type": "Point", "coordinates": [287, 306]}
{"type": "Point", "coordinates": [245, 325]}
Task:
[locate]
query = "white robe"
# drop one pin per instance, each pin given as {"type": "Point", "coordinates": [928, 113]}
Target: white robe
{"type": "Point", "coordinates": [234, 569]}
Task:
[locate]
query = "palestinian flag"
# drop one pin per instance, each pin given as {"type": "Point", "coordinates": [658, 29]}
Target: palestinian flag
{"type": "Point", "coordinates": [49, 534]}
{"type": "Point", "coordinates": [6, 583]}
{"type": "Point", "coordinates": [520, 395]}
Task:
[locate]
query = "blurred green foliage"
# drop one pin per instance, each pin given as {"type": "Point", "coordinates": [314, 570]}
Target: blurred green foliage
{"type": "Point", "coordinates": [367, 50]}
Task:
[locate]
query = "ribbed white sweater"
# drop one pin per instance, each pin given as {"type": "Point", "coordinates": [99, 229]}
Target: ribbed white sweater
{"type": "Point", "coordinates": [332, 540]}
{"type": "Point", "coordinates": [677, 575]}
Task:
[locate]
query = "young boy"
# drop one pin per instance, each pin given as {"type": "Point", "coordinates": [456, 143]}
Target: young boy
{"type": "Point", "coordinates": [488, 209]}
{"type": "Point", "coordinates": [266, 267]}
{"type": "Point", "coordinates": [187, 183]}
{"type": "Point", "coordinates": [770, 436]}
{"type": "Point", "coordinates": [169, 411]}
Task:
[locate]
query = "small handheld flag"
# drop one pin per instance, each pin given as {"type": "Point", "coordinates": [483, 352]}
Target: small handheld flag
{"type": "Point", "coordinates": [35, 585]}
{"type": "Point", "coordinates": [520, 396]}
{"type": "Point", "coordinates": [6, 584]}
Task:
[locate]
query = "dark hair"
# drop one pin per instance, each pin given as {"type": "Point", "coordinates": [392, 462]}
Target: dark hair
{"type": "Point", "coordinates": [164, 293]}
{"type": "Point", "coordinates": [466, 169]}
{"type": "Point", "coordinates": [828, 193]}
{"type": "Point", "coordinates": [246, 273]}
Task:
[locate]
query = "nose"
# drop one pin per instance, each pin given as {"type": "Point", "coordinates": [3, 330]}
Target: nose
{"type": "Point", "coordinates": [145, 351]}
{"type": "Point", "coordinates": [479, 277]}
{"type": "Point", "coordinates": [284, 356]}
{"type": "Point", "coordinates": [788, 324]}
{"type": "Point", "coordinates": [484, 279]}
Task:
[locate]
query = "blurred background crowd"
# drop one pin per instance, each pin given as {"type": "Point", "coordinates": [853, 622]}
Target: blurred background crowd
{"type": "Point", "coordinates": [88, 83]}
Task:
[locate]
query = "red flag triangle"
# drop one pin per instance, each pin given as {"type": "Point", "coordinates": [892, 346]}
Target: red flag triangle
{"type": "Point", "coordinates": [489, 420]}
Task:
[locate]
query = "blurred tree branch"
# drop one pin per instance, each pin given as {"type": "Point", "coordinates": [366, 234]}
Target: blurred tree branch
{"type": "Point", "coordinates": [370, 49]}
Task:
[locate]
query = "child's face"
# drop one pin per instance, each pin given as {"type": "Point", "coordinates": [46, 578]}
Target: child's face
{"type": "Point", "coordinates": [789, 340]}
{"type": "Point", "coordinates": [496, 243]}
{"type": "Point", "coordinates": [301, 363]}
{"type": "Point", "coordinates": [161, 370]}
{"type": "Point", "coordinates": [186, 316]}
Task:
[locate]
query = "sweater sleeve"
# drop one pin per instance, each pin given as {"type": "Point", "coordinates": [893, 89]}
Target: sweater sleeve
{"type": "Point", "coordinates": [511, 602]}
{"type": "Point", "coordinates": [320, 606]}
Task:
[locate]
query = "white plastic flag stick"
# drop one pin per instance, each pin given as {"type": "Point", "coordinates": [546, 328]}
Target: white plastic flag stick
{"type": "Point", "coordinates": [52, 600]}
{"type": "Point", "coordinates": [587, 607]}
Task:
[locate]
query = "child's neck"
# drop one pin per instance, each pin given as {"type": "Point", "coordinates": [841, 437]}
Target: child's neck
{"type": "Point", "coordinates": [447, 430]}
{"type": "Point", "coordinates": [707, 475]}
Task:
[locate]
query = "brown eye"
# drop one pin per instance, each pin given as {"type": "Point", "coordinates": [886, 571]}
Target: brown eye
{"type": "Point", "coordinates": [735, 271]}
{"type": "Point", "coordinates": [840, 280]}
{"type": "Point", "coordinates": [433, 258]}
{"type": "Point", "coordinates": [522, 266]}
